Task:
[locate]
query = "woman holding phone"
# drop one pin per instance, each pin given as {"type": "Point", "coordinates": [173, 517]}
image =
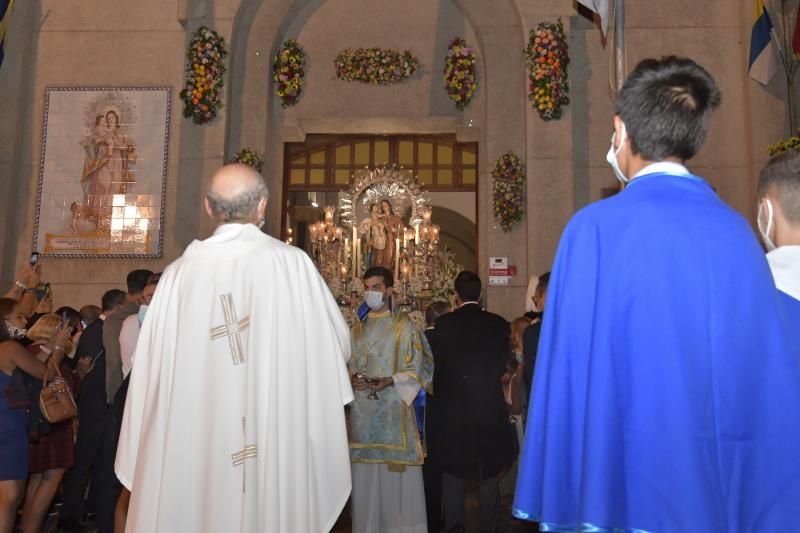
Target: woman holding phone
{"type": "Point", "coordinates": [13, 429]}
{"type": "Point", "coordinates": [51, 453]}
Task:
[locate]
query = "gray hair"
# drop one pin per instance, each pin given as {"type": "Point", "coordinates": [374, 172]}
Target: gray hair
{"type": "Point", "coordinates": [240, 207]}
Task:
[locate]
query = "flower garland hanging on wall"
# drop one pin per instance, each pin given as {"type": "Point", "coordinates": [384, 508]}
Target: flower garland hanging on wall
{"type": "Point", "coordinates": [508, 189]}
{"type": "Point", "coordinates": [250, 157]}
{"type": "Point", "coordinates": [204, 76]}
{"type": "Point", "coordinates": [547, 58]}
{"type": "Point", "coordinates": [792, 143]}
{"type": "Point", "coordinates": [375, 66]}
{"type": "Point", "coordinates": [459, 72]}
{"type": "Point", "coordinates": [288, 72]}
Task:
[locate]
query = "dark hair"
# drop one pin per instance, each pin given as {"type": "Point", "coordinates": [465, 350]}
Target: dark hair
{"type": "Point", "coordinates": [7, 305]}
{"type": "Point", "coordinates": [544, 281]}
{"type": "Point", "coordinates": [468, 286]}
{"type": "Point", "coordinates": [665, 105]}
{"type": "Point", "coordinates": [782, 175]}
{"type": "Point", "coordinates": [73, 316]}
{"type": "Point", "coordinates": [435, 310]}
{"type": "Point", "coordinates": [111, 299]}
{"type": "Point", "coordinates": [385, 273]}
{"type": "Point", "coordinates": [97, 119]}
{"type": "Point", "coordinates": [154, 279]}
{"type": "Point", "coordinates": [137, 279]}
{"type": "Point", "coordinates": [391, 208]}
{"type": "Point", "coordinates": [4, 334]}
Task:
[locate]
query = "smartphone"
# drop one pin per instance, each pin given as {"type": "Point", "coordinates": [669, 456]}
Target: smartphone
{"type": "Point", "coordinates": [64, 320]}
{"type": "Point", "coordinates": [42, 292]}
{"type": "Point", "coordinates": [34, 258]}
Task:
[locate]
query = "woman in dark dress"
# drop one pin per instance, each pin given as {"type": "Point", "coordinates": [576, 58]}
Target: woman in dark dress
{"type": "Point", "coordinates": [50, 454]}
{"type": "Point", "coordinates": [13, 429]}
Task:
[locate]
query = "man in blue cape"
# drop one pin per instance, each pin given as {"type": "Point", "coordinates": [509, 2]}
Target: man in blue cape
{"type": "Point", "coordinates": [666, 391]}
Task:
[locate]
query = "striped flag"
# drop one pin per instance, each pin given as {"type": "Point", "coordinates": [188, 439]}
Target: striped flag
{"type": "Point", "coordinates": [796, 36]}
{"type": "Point", "coordinates": [5, 17]}
{"type": "Point", "coordinates": [763, 60]}
{"type": "Point", "coordinates": [601, 8]}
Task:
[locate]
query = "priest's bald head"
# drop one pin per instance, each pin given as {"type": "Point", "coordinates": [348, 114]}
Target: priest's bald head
{"type": "Point", "coordinates": [237, 193]}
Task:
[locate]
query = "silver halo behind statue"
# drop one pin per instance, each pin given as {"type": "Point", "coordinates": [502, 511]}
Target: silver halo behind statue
{"type": "Point", "coordinates": [383, 183]}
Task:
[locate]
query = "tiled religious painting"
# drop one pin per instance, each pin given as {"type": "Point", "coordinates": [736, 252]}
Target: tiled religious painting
{"type": "Point", "coordinates": [102, 174]}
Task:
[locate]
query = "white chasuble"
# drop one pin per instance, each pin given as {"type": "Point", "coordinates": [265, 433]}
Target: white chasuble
{"type": "Point", "coordinates": [234, 419]}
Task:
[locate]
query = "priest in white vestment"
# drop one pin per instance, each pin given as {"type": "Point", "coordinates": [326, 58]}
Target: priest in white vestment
{"type": "Point", "coordinates": [234, 419]}
{"type": "Point", "coordinates": [390, 356]}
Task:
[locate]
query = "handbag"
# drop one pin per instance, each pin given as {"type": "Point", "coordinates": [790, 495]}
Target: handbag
{"type": "Point", "coordinates": [55, 400]}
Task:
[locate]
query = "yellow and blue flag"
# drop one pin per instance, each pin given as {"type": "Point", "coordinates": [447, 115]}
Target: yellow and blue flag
{"type": "Point", "coordinates": [5, 17]}
{"type": "Point", "coordinates": [763, 61]}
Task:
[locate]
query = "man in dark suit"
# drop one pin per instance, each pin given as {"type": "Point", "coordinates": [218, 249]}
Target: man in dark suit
{"type": "Point", "coordinates": [92, 414]}
{"type": "Point", "coordinates": [431, 469]}
{"type": "Point", "coordinates": [474, 437]}
{"type": "Point", "coordinates": [530, 338]}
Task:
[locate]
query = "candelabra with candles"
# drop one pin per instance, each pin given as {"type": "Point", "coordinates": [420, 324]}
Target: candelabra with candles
{"type": "Point", "coordinates": [426, 250]}
{"type": "Point", "coordinates": [327, 249]}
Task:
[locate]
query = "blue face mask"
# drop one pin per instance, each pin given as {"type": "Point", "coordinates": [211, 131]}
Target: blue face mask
{"type": "Point", "coordinates": [611, 156]}
{"type": "Point", "coordinates": [142, 312]}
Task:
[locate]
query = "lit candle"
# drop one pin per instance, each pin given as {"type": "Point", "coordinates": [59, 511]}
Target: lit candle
{"type": "Point", "coordinates": [416, 233]}
{"type": "Point", "coordinates": [405, 271]}
{"type": "Point", "coordinates": [435, 233]}
{"type": "Point", "coordinates": [358, 258]}
{"type": "Point", "coordinates": [344, 271]}
{"type": "Point", "coordinates": [396, 257]}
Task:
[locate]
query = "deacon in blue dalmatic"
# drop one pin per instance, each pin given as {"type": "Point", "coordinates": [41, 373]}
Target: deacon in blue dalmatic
{"type": "Point", "coordinates": [666, 392]}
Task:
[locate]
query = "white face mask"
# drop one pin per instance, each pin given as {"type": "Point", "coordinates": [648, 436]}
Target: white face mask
{"type": "Point", "coordinates": [142, 313]}
{"type": "Point", "coordinates": [374, 299]}
{"type": "Point", "coordinates": [611, 156]}
{"type": "Point", "coordinates": [766, 228]}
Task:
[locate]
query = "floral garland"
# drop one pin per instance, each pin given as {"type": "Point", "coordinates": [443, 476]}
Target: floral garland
{"type": "Point", "coordinates": [459, 72]}
{"type": "Point", "coordinates": [375, 65]}
{"type": "Point", "coordinates": [288, 72]}
{"type": "Point", "coordinates": [547, 60]}
{"type": "Point", "coordinates": [508, 188]}
{"type": "Point", "coordinates": [444, 285]}
{"type": "Point", "coordinates": [792, 143]}
{"type": "Point", "coordinates": [204, 76]}
{"type": "Point", "coordinates": [249, 157]}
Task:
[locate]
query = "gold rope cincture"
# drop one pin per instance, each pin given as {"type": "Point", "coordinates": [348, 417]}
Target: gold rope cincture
{"type": "Point", "coordinates": [232, 328]}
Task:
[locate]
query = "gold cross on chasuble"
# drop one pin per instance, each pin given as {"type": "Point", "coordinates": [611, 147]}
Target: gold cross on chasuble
{"type": "Point", "coordinates": [249, 451]}
{"type": "Point", "coordinates": [232, 328]}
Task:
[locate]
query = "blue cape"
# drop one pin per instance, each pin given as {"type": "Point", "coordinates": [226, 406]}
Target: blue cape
{"type": "Point", "coordinates": [666, 392]}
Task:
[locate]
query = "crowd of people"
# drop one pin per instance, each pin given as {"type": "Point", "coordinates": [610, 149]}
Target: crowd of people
{"type": "Point", "coordinates": [658, 393]}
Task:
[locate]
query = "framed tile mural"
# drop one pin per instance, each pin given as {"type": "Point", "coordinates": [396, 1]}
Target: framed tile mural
{"type": "Point", "coordinates": [102, 173]}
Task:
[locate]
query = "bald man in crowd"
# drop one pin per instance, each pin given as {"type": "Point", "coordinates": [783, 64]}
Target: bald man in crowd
{"type": "Point", "coordinates": [234, 419]}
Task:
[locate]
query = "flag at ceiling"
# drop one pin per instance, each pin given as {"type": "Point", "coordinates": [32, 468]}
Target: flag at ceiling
{"type": "Point", "coordinates": [601, 8]}
{"type": "Point", "coordinates": [763, 60]}
{"type": "Point", "coordinates": [5, 17]}
{"type": "Point", "coordinates": [796, 36]}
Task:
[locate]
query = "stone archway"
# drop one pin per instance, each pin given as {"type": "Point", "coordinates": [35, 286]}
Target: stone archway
{"type": "Point", "coordinates": [495, 119]}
